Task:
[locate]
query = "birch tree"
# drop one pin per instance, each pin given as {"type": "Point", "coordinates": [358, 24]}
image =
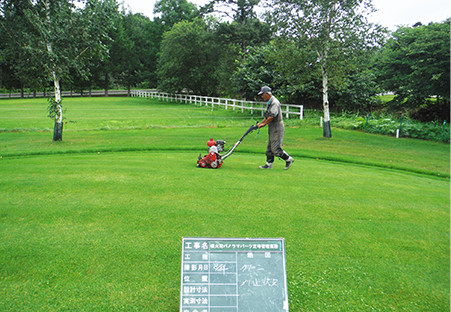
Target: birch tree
{"type": "Point", "coordinates": [335, 29]}
{"type": "Point", "coordinates": [62, 36]}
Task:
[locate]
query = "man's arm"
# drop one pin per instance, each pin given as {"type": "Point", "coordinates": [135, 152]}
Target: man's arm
{"type": "Point", "coordinates": [265, 121]}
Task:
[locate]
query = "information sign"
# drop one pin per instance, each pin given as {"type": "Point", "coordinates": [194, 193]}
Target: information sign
{"type": "Point", "coordinates": [233, 275]}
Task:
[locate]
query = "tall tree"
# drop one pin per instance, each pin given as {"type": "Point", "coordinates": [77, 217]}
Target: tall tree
{"type": "Point", "coordinates": [16, 53]}
{"type": "Point", "coordinates": [336, 30]}
{"type": "Point", "coordinates": [246, 29]}
{"type": "Point", "coordinates": [415, 64]}
{"type": "Point", "coordinates": [282, 65]}
{"type": "Point", "coordinates": [238, 10]}
{"type": "Point", "coordinates": [188, 58]}
{"type": "Point", "coordinates": [60, 36]}
{"type": "Point", "coordinates": [173, 11]}
{"type": "Point", "coordinates": [134, 51]}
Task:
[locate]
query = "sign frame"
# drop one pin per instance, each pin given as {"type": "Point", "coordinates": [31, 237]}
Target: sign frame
{"type": "Point", "coordinates": [205, 248]}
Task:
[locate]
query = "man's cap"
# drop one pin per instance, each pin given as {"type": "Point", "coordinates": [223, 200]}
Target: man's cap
{"type": "Point", "coordinates": [264, 89]}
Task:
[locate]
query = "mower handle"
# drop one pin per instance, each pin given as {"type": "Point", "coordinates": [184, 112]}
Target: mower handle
{"type": "Point", "coordinates": [229, 152]}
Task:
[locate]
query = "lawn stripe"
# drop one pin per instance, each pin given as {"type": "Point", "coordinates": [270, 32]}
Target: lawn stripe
{"type": "Point", "coordinates": [187, 149]}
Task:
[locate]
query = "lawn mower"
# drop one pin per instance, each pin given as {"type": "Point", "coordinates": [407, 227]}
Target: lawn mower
{"type": "Point", "coordinates": [214, 158]}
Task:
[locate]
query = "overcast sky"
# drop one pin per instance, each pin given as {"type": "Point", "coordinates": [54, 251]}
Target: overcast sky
{"type": "Point", "coordinates": [391, 13]}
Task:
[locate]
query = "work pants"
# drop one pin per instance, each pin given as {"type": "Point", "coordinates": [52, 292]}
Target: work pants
{"type": "Point", "coordinates": [275, 141]}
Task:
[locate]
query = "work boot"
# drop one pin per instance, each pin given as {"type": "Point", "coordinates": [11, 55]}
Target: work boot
{"type": "Point", "coordinates": [267, 166]}
{"type": "Point", "coordinates": [288, 163]}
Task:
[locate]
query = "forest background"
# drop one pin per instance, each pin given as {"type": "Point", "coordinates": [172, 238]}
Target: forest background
{"type": "Point", "coordinates": [97, 44]}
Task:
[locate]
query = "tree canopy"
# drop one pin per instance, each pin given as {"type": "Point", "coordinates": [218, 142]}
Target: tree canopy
{"type": "Point", "coordinates": [337, 31]}
{"type": "Point", "coordinates": [415, 65]}
{"type": "Point", "coordinates": [315, 52]}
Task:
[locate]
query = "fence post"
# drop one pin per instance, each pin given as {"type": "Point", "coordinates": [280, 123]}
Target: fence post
{"type": "Point", "coordinates": [366, 123]}
{"type": "Point", "coordinates": [288, 111]}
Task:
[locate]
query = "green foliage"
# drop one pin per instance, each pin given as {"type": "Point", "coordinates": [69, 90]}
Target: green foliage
{"type": "Point", "coordinates": [253, 72]}
{"type": "Point", "coordinates": [357, 90]}
{"type": "Point", "coordinates": [55, 39]}
{"type": "Point", "coordinates": [133, 54]}
{"type": "Point", "coordinates": [240, 10]}
{"type": "Point", "coordinates": [289, 68]}
{"type": "Point", "coordinates": [188, 59]}
{"type": "Point", "coordinates": [201, 55]}
{"type": "Point", "coordinates": [246, 30]}
{"type": "Point", "coordinates": [337, 32]}
{"type": "Point", "coordinates": [323, 52]}
{"type": "Point", "coordinates": [16, 54]}
{"type": "Point", "coordinates": [388, 125]}
{"type": "Point", "coordinates": [95, 45]}
{"type": "Point", "coordinates": [53, 108]}
{"type": "Point", "coordinates": [415, 64]}
{"type": "Point", "coordinates": [175, 11]}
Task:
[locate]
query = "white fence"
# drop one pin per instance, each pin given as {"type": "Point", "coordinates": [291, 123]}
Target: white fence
{"type": "Point", "coordinates": [64, 94]}
{"type": "Point", "coordinates": [287, 109]}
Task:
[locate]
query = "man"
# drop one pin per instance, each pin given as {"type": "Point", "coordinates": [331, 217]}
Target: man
{"type": "Point", "coordinates": [276, 130]}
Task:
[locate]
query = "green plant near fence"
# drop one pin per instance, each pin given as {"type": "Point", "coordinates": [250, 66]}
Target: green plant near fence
{"type": "Point", "coordinates": [387, 125]}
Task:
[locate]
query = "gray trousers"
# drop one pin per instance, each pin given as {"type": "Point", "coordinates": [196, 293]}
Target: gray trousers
{"type": "Point", "coordinates": [275, 141]}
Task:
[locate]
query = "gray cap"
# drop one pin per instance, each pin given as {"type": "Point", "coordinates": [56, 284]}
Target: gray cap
{"type": "Point", "coordinates": [265, 89]}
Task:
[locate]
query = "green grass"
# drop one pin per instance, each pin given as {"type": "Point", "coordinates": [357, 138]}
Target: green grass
{"type": "Point", "coordinates": [94, 223]}
{"type": "Point", "coordinates": [111, 113]}
{"type": "Point", "coordinates": [162, 126]}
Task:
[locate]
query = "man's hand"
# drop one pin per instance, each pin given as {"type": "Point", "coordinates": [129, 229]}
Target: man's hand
{"type": "Point", "coordinates": [265, 122]}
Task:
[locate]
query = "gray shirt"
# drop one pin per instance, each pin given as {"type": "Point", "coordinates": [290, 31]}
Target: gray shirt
{"type": "Point", "coordinates": [274, 111]}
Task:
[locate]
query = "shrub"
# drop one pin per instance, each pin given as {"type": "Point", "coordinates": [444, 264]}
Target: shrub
{"type": "Point", "coordinates": [434, 131]}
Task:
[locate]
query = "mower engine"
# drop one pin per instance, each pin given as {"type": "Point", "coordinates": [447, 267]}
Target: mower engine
{"type": "Point", "coordinates": [213, 159]}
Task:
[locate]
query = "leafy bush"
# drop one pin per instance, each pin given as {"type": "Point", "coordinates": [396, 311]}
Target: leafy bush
{"type": "Point", "coordinates": [409, 128]}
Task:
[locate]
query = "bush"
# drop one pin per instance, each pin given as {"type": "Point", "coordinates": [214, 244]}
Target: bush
{"type": "Point", "coordinates": [434, 131]}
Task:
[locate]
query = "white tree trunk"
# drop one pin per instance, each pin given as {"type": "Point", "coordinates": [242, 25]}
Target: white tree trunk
{"type": "Point", "coordinates": [56, 82]}
{"type": "Point", "coordinates": [326, 125]}
{"type": "Point", "coordinates": [58, 129]}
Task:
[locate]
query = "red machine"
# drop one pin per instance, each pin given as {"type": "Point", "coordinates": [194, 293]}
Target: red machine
{"type": "Point", "coordinates": [214, 159]}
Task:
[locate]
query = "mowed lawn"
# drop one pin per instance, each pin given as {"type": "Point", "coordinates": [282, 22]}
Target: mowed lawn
{"type": "Point", "coordinates": [94, 223]}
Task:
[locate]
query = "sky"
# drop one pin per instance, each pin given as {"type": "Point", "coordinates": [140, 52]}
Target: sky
{"type": "Point", "coordinates": [391, 13]}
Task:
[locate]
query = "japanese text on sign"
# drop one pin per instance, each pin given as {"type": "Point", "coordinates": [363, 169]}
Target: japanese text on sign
{"type": "Point", "coordinates": [232, 275]}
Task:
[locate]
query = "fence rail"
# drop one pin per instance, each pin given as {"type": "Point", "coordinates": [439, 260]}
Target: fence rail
{"type": "Point", "coordinates": [287, 109]}
{"type": "Point", "coordinates": [84, 93]}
